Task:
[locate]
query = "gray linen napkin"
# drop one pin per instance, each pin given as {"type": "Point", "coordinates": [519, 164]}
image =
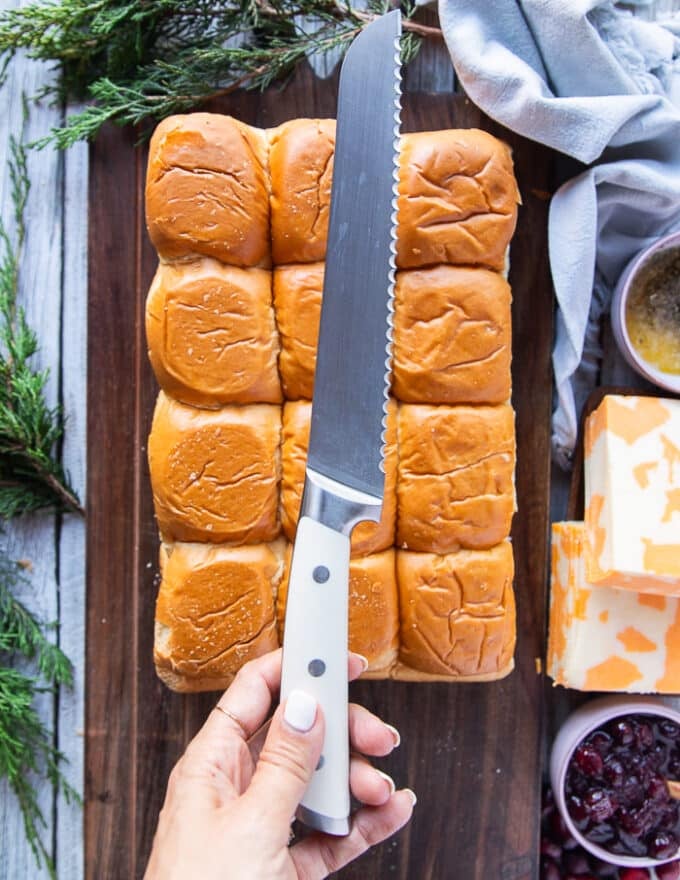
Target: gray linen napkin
{"type": "Point", "coordinates": [596, 84]}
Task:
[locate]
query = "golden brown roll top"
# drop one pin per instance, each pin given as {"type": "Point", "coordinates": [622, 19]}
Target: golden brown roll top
{"type": "Point", "coordinates": [207, 190]}
{"type": "Point", "coordinates": [214, 612]}
{"type": "Point", "coordinates": [301, 168]}
{"type": "Point", "coordinates": [211, 333]}
{"type": "Point", "coordinates": [455, 485]}
{"type": "Point", "coordinates": [367, 537]}
{"type": "Point", "coordinates": [457, 199]}
{"type": "Point", "coordinates": [452, 339]}
{"type": "Point", "coordinates": [215, 473]}
{"type": "Point", "coordinates": [298, 292]}
{"type": "Point", "coordinates": [457, 614]}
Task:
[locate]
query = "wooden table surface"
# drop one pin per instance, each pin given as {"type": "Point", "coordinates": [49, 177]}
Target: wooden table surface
{"type": "Point", "coordinates": [478, 804]}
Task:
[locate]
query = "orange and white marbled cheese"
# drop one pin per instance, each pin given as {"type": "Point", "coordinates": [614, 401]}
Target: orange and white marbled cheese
{"type": "Point", "coordinates": [603, 638]}
{"type": "Point", "coordinates": [632, 494]}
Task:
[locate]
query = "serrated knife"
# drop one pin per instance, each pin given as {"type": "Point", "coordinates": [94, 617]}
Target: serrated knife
{"type": "Point", "coordinates": [344, 479]}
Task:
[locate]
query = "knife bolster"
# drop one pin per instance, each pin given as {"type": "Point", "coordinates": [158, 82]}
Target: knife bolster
{"type": "Point", "coordinates": [335, 505]}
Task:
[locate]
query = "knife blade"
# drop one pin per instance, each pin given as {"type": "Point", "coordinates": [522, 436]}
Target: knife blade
{"type": "Point", "coordinates": [344, 478]}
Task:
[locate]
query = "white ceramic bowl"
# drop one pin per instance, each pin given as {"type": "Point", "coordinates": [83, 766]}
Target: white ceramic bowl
{"type": "Point", "coordinates": [668, 381]}
{"type": "Point", "coordinates": [576, 728]}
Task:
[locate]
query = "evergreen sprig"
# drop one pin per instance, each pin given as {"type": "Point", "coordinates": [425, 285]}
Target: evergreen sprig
{"type": "Point", "coordinates": [26, 746]}
{"type": "Point", "coordinates": [31, 478]}
{"type": "Point", "coordinates": [136, 60]}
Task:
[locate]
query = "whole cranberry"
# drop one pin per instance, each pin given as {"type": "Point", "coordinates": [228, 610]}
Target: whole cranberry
{"type": "Point", "coordinates": [658, 755]}
{"type": "Point", "coordinates": [551, 849]}
{"type": "Point", "coordinates": [599, 805]}
{"type": "Point", "coordinates": [549, 870]}
{"type": "Point", "coordinates": [656, 789]}
{"type": "Point", "coordinates": [669, 871]}
{"type": "Point", "coordinates": [614, 771]}
{"type": "Point", "coordinates": [601, 741]}
{"type": "Point", "coordinates": [622, 732]}
{"type": "Point", "coordinates": [670, 730]}
{"type": "Point", "coordinates": [588, 760]}
{"type": "Point", "coordinates": [576, 862]}
{"type": "Point", "coordinates": [644, 735]}
{"type": "Point", "coordinates": [577, 809]}
{"type": "Point", "coordinates": [559, 832]}
{"type": "Point", "coordinates": [634, 874]}
{"type": "Point", "coordinates": [662, 845]}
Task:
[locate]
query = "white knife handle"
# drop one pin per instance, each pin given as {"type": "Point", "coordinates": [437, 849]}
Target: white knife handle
{"type": "Point", "coordinates": [315, 661]}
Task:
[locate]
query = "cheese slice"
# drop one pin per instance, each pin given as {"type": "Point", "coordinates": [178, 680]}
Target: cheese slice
{"type": "Point", "coordinates": [603, 638]}
{"type": "Point", "coordinates": [632, 494]}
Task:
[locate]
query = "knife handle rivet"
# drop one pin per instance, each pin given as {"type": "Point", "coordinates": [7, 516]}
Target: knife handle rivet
{"type": "Point", "coordinates": [321, 574]}
{"type": "Point", "coordinates": [316, 668]}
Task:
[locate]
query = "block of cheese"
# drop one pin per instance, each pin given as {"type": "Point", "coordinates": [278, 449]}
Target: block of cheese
{"type": "Point", "coordinates": [215, 473]}
{"type": "Point", "coordinates": [632, 494]}
{"type": "Point", "coordinates": [606, 638]}
{"type": "Point", "coordinates": [455, 482]}
{"type": "Point", "coordinates": [214, 612]}
{"type": "Point", "coordinates": [373, 610]}
{"type": "Point", "coordinates": [457, 614]}
{"type": "Point", "coordinates": [207, 190]}
{"type": "Point", "coordinates": [211, 333]}
{"type": "Point", "coordinates": [457, 195]}
{"type": "Point", "coordinates": [367, 537]}
{"type": "Point", "coordinates": [451, 333]}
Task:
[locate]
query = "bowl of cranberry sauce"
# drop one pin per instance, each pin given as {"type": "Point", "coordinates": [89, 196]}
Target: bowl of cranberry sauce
{"type": "Point", "coordinates": [610, 769]}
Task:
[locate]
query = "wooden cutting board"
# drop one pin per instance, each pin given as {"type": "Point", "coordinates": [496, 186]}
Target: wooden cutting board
{"type": "Point", "coordinates": [473, 753]}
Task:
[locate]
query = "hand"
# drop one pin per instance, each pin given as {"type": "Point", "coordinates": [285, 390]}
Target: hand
{"type": "Point", "coordinates": [228, 816]}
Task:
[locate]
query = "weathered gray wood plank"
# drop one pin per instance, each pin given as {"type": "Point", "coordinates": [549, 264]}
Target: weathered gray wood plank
{"type": "Point", "coordinates": [71, 537]}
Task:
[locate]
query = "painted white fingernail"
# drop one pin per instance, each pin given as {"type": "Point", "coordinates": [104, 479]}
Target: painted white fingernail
{"type": "Point", "coordinates": [364, 660]}
{"type": "Point", "coordinates": [395, 733]}
{"type": "Point", "coordinates": [412, 795]}
{"type": "Point", "coordinates": [300, 711]}
{"type": "Point", "coordinates": [388, 780]}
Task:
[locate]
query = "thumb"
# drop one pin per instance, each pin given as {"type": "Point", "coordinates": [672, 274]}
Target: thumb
{"type": "Point", "coordinates": [288, 759]}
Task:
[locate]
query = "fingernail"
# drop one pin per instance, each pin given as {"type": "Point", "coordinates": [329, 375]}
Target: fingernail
{"type": "Point", "coordinates": [412, 795]}
{"type": "Point", "coordinates": [388, 780]}
{"type": "Point", "coordinates": [364, 660]}
{"type": "Point", "coordinates": [300, 711]}
{"type": "Point", "coordinates": [395, 733]}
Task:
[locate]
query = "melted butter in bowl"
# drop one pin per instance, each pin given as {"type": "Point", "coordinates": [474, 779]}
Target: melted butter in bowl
{"type": "Point", "coordinates": [653, 311]}
{"type": "Point", "coordinates": [645, 313]}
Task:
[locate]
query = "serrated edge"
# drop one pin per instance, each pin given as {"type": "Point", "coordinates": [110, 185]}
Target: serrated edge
{"type": "Point", "coordinates": [389, 334]}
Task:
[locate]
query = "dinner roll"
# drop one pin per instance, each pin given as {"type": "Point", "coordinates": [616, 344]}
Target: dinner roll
{"type": "Point", "coordinates": [215, 473]}
{"type": "Point", "coordinates": [211, 333]}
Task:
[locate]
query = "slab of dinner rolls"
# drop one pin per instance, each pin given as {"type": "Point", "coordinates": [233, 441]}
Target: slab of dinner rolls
{"type": "Point", "coordinates": [211, 333]}
{"type": "Point", "coordinates": [207, 189]}
{"type": "Point", "coordinates": [215, 473]}
{"type": "Point", "coordinates": [367, 537]}
{"type": "Point", "coordinates": [239, 218]}
{"type": "Point", "coordinates": [373, 610]}
{"type": "Point", "coordinates": [214, 612]}
{"type": "Point", "coordinates": [455, 482]}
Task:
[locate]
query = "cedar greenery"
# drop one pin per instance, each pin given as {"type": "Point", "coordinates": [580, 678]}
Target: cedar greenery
{"type": "Point", "coordinates": [27, 750]}
{"type": "Point", "coordinates": [137, 60]}
{"type": "Point", "coordinates": [30, 477]}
